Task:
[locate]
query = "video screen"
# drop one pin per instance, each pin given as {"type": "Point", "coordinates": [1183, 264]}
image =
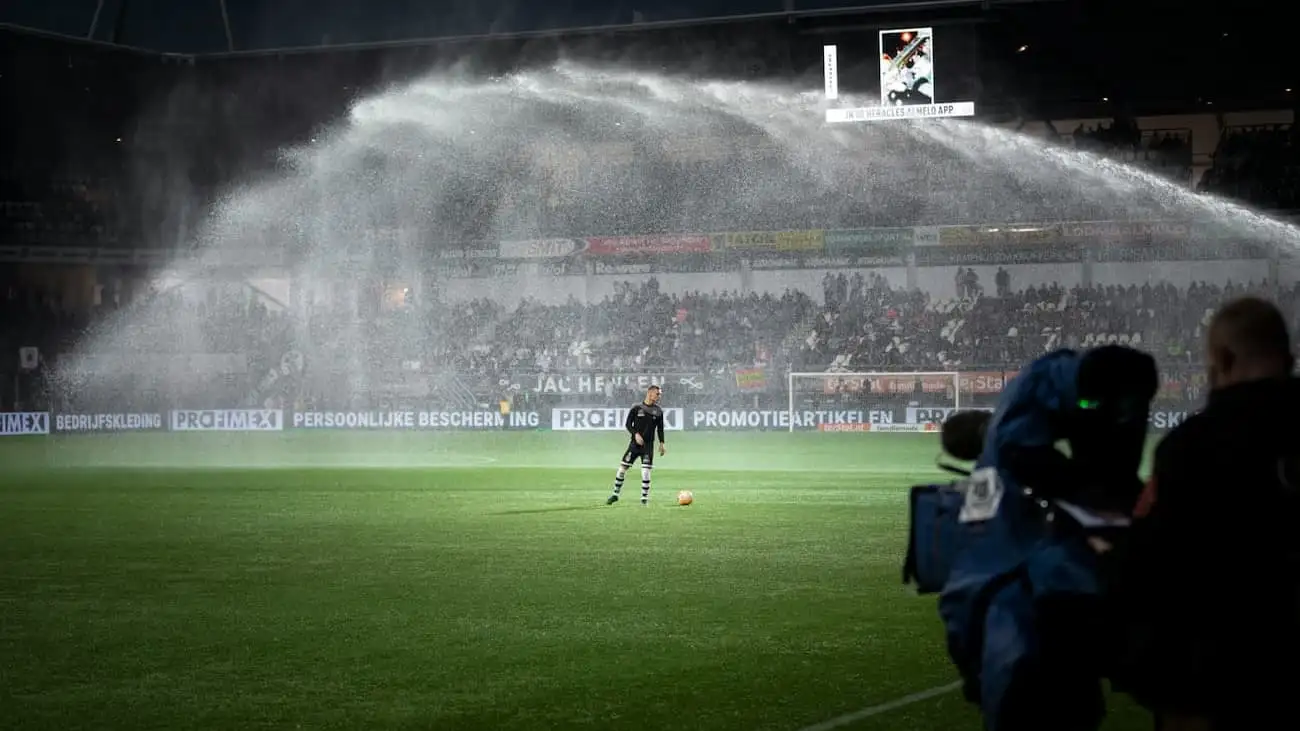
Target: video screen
{"type": "Point", "coordinates": [907, 67]}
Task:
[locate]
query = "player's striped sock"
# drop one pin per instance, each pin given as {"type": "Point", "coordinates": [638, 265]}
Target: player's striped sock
{"type": "Point", "coordinates": [645, 484]}
{"type": "Point", "coordinates": [618, 478]}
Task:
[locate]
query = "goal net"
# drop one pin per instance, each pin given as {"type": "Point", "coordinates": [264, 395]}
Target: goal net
{"type": "Point", "coordinates": [872, 402]}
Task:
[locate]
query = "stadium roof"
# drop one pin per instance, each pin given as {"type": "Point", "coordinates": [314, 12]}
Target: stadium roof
{"type": "Point", "coordinates": [198, 27]}
{"type": "Point", "coordinates": [1105, 55]}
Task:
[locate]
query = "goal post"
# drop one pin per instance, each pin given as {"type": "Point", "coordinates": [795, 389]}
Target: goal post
{"type": "Point", "coordinates": [879, 401]}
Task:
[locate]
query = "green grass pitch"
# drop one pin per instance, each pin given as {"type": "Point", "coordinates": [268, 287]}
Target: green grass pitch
{"type": "Point", "coordinates": [463, 581]}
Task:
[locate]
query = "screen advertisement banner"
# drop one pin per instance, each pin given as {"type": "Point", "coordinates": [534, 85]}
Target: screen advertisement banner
{"type": "Point", "coordinates": [869, 239]}
{"type": "Point", "coordinates": [416, 420]}
{"type": "Point", "coordinates": [781, 419]}
{"type": "Point", "coordinates": [68, 423]}
{"type": "Point", "coordinates": [775, 240]}
{"type": "Point", "coordinates": [22, 423]}
{"type": "Point", "coordinates": [228, 420]}
{"type": "Point", "coordinates": [1163, 417]}
{"type": "Point", "coordinates": [597, 418]}
{"type": "Point", "coordinates": [936, 414]}
{"type": "Point", "coordinates": [1164, 420]}
{"type": "Point", "coordinates": [907, 75]}
{"type": "Point", "coordinates": [598, 383]}
{"type": "Point", "coordinates": [541, 248]}
{"type": "Point", "coordinates": [666, 244]}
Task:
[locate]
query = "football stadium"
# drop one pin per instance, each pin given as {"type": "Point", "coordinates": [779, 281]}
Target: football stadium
{"type": "Point", "coordinates": [368, 367]}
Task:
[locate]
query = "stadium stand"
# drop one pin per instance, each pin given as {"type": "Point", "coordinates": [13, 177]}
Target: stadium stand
{"type": "Point", "coordinates": [1166, 152]}
{"type": "Point", "coordinates": [62, 170]}
{"type": "Point", "coordinates": [892, 329]}
{"type": "Point", "coordinates": [67, 180]}
{"type": "Point", "coordinates": [874, 327]}
{"type": "Point", "coordinates": [1258, 164]}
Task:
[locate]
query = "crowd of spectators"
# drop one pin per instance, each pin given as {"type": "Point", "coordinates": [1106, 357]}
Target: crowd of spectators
{"type": "Point", "coordinates": [1259, 164]}
{"type": "Point", "coordinates": [1165, 152]}
{"type": "Point", "coordinates": [860, 324]}
{"type": "Point", "coordinates": [643, 329]}
{"type": "Point", "coordinates": [880, 328]}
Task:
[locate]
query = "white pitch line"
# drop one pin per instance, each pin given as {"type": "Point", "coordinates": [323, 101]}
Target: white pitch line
{"type": "Point", "coordinates": [868, 712]}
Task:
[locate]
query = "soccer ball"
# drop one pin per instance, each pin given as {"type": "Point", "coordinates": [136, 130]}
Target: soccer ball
{"type": "Point", "coordinates": [685, 497]}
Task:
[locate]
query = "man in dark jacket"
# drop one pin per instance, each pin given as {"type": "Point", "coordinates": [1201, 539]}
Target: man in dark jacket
{"type": "Point", "coordinates": [1209, 585]}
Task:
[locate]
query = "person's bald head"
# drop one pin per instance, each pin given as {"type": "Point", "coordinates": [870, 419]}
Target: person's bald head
{"type": "Point", "coordinates": [1248, 341]}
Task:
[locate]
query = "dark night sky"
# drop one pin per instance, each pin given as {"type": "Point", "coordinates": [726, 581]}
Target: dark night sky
{"type": "Point", "coordinates": [1187, 57]}
{"type": "Point", "coordinates": [195, 26]}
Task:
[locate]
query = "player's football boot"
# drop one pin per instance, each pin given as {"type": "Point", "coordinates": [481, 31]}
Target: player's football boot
{"type": "Point", "coordinates": [612, 499]}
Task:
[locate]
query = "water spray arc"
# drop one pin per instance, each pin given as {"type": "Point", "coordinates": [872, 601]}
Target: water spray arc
{"type": "Point", "coordinates": [576, 151]}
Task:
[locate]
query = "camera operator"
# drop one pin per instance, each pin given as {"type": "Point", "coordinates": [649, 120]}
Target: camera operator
{"type": "Point", "coordinates": [1209, 591]}
{"type": "Point", "coordinates": [1018, 551]}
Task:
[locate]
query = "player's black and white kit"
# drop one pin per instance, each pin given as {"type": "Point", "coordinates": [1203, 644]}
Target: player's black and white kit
{"type": "Point", "coordinates": [646, 420]}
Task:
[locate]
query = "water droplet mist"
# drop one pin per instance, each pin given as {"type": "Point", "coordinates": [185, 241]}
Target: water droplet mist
{"type": "Point", "coordinates": [576, 151]}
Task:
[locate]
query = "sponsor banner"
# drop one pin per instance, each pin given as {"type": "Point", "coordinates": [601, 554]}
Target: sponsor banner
{"type": "Point", "coordinates": [1116, 241]}
{"type": "Point", "coordinates": [1166, 420]}
{"type": "Point", "coordinates": [775, 240]}
{"type": "Point", "coordinates": [900, 384]}
{"type": "Point", "coordinates": [228, 420]}
{"type": "Point", "coordinates": [598, 383]}
{"type": "Point", "coordinates": [880, 428]}
{"type": "Point", "coordinates": [751, 379]}
{"type": "Point", "coordinates": [686, 244]}
{"type": "Point", "coordinates": [958, 235]}
{"type": "Point", "coordinates": [1011, 235]}
{"type": "Point", "coordinates": [937, 415]}
{"type": "Point", "coordinates": [573, 267]}
{"type": "Point", "coordinates": [873, 239]}
{"type": "Point", "coordinates": [862, 261]}
{"type": "Point", "coordinates": [19, 423]}
{"type": "Point", "coordinates": [925, 236]}
{"type": "Point", "coordinates": [1133, 232]}
{"type": "Point", "coordinates": [541, 248]}
{"type": "Point", "coordinates": [1190, 251]}
{"type": "Point", "coordinates": [606, 419]}
{"type": "Point", "coordinates": [466, 252]}
{"type": "Point", "coordinates": [998, 255]}
{"type": "Point", "coordinates": [915, 111]}
{"type": "Point", "coordinates": [757, 419]}
{"type": "Point", "coordinates": [1186, 386]}
{"type": "Point", "coordinates": [107, 422]}
{"type": "Point", "coordinates": [970, 382]}
{"type": "Point", "coordinates": [681, 264]}
{"type": "Point", "coordinates": [984, 382]}
{"type": "Point", "coordinates": [904, 428]}
{"type": "Point", "coordinates": [474, 268]}
{"type": "Point", "coordinates": [415, 420]}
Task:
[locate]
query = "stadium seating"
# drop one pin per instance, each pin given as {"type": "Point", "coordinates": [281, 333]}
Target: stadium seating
{"type": "Point", "coordinates": [867, 326]}
{"type": "Point", "coordinates": [1166, 152]}
{"type": "Point", "coordinates": [67, 184]}
{"type": "Point", "coordinates": [1259, 164]}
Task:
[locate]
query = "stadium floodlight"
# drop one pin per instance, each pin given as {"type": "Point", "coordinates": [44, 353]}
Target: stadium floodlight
{"type": "Point", "coordinates": [874, 401]}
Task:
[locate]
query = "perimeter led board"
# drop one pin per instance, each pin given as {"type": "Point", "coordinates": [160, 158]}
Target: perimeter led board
{"type": "Point", "coordinates": [908, 81]}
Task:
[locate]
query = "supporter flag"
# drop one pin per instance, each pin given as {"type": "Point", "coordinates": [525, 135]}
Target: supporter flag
{"type": "Point", "coordinates": [751, 379]}
{"type": "Point", "coordinates": [29, 358]}
{"type": "Point", "coordinates": [681, 315]}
